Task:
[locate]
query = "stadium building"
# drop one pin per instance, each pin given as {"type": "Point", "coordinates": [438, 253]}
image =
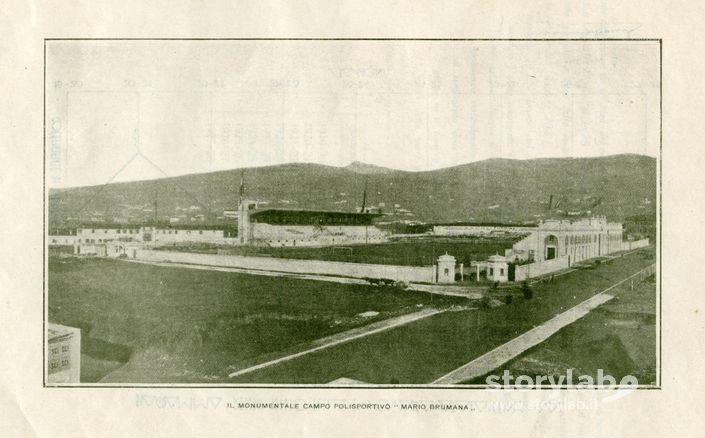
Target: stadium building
{"type": "Point", "coordinates": [278, 227]}
{"type": "Point", "coordinates": [270, 227]}
{"type": "Point", "coordinates": [574, 241]}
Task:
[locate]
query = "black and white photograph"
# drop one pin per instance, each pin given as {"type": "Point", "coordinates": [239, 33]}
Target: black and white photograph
{"type": "Point", "coordinates": [340, 213]}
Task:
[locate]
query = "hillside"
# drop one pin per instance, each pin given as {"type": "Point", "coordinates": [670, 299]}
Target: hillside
{"type": "Point", "coordinates": [490, 190]}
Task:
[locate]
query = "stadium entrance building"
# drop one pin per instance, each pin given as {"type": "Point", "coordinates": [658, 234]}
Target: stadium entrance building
{"type": "Point", "coordinates": [573, 241]}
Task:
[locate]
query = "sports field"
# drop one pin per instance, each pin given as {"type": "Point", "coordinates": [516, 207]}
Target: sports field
{"type": "Point", "coordinates": [142, 323]}
{"type": "Point", "coordinates": [618, 337]}
{"type": "Point", "coordinates": [422, 251]}
{"type": "Point", "coordinates": [423, 351]}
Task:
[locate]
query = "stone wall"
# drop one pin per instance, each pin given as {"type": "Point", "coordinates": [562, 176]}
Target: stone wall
{"type": "Point", "coordinates": [524, 272]}
{"type": "Point", "coordinates": [636, 244]}
{"type": "Point", "coordinates": [417, 274]}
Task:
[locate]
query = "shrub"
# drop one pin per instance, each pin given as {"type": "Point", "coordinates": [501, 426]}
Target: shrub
{"type": "Point", "coordinates": [508, 299]}
{"type": "Point", "coordinates": [402, 285]}
{"type": "Point", "coordinates": [484, 302]}
{"type": "Point", "coordinates": [527, 291]}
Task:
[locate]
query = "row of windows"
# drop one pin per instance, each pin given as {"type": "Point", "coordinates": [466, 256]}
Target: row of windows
{"type": "Point", "coordinates": [175, 231]}
{"type": "Point", "coordinates": [54, 364]}
{"type": "Point", "coordinates": [64, 349]}
{"type": "Point", "coordinates": [127, 231]}
{"type": "Point", "coordinates": [501, 272]}
{"type": "Point", "coordinates": [118, 231]}
{"type": "Point", "coordinates": [587, 238]}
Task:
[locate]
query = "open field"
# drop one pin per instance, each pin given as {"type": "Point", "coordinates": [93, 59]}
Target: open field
{"type": "Point", "coordinates": [618, 337]}
{"type": "Point", "coordinates": [428, 349]}
{"type": "Point", "coordinates": [408, 252]}
{"type": "Point", "coordinates": [144, 323]}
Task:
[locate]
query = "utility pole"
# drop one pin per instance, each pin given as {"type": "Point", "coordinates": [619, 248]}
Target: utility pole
{"type": "Point", "coordinates": [364, 198]}
{"type": "Point", "coordinates": [242, 187]}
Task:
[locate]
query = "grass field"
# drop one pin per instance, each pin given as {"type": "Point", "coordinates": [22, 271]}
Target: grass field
{"type": "Point", "coordinates": [160, 324]}
{"type": "Point", "coordinates": [618, 337]}
{"type": "Point", "coordinates": [408, 252]}
{"type": "Point", "coordinates": [428, 349]}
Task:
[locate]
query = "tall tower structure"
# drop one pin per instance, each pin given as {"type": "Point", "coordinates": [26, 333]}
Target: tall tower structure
{"type": "Point", "coordinates": [243, 223]}
{"type": "Point", "coordinates": [243, 219]}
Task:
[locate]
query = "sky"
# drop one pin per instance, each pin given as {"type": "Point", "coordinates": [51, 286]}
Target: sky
{"type": "Point", "coordinates": [131, 110]}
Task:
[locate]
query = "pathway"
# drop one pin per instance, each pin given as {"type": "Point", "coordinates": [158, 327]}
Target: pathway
{"type": "Point", "coordinates": [347, 336]}
{"type": "Point", "coordinates": [504, 353]}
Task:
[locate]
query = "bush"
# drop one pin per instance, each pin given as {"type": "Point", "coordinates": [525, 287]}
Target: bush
{"type": "Point", "coordinates": [402, 285]}
{"type": "Point", "coordinates": [527, 291]}
{"type": "Point", "coordinates": [484, 302]}
{"type": "Point", "coordinates": [508, 299]}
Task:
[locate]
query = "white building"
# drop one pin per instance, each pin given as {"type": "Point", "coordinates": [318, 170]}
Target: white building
{"type": "Point", "coordinates": [574, 240]}
{"type": "Point", "coordinates": [446, 269]}
{"type": "Point", "coordinates": [62, 237]}
{"type": "Point", "coordinates": [63, 354]}
{"type": "Point", "coordinates": [92, 239]}
{"type": "Point", "coordinates": [497, 269]}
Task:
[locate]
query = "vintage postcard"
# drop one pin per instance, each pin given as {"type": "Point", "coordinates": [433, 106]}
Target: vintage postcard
{"type": "Point", "coordinates": [352, 212]}
{"type": "Point", "coordinates": [352, 219]}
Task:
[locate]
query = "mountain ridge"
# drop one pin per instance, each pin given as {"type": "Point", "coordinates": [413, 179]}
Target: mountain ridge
{"type": "Point", "coordinates": [354, 166]}
{"type": "Point", "coordinates": [487, 190]}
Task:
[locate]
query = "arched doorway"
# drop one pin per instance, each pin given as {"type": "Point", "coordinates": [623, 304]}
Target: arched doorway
{"type": "Point", "coordinates": [550, 244]}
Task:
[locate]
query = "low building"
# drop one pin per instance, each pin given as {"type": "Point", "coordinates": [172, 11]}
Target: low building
{"type": "Point", "coordinates": [103, 233]}
{"type": "Point", "coordinates": [93, 249]}
{"type": "Point", "coordinates": [62, 237]}
{"type": "Point", "coordinates": [120, 249]}
{"type": "Point", "coordinates": [189, 233]}
{"type": "Point", "coordinates": [100, 234]}
{"type": "Point", "coordinates": [63, 354]}
{"type": "Point", "coordinates": [497, 269]}
{"type": "Point", "coordinates": [446, 269]}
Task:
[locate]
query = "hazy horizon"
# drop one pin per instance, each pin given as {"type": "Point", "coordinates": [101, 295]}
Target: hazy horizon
{"type": "Point", "coordinates": [120, 111]}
